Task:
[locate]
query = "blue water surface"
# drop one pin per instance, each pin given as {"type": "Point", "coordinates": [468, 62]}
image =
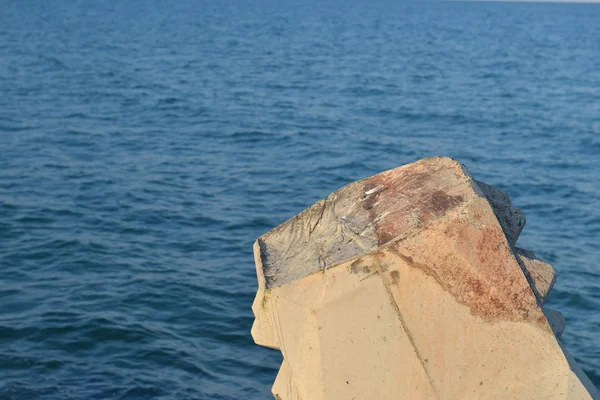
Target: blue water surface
{"type": "Point", "coordinates": [144, 145]}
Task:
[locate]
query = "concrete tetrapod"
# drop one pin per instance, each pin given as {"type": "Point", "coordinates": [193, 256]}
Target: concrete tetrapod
{"type": "Point", "coordinates": [408, 285]}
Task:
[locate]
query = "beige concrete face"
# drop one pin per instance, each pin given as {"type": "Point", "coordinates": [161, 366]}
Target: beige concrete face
{"type": "Point", "coordinates": [434, 304]}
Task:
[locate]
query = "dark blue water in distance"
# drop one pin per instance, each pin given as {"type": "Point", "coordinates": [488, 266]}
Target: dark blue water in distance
{"type": "Point", "coordinates": [144, 145]}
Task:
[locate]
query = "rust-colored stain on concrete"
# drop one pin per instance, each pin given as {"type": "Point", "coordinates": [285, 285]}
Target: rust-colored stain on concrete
{"type": "Point", "coordinates": [402, 199]}
{"type": "Point", "coordinates": [474, 266]}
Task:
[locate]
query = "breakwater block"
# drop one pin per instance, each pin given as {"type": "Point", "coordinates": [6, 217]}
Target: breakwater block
{"type": "Point", "coordinates": [409, 285]}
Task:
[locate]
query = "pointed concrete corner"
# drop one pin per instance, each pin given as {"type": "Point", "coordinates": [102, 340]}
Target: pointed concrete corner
{"type": "Point", "coordinates": [541, 275]}
{"type": "Point", "coordinates": [408, 285]}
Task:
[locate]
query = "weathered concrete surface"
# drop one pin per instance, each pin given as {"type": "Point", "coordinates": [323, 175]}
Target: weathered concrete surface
{"type": "Point", "coordinates": [539, 274]}
{"type": "Point", "coordinates": [407, 285]}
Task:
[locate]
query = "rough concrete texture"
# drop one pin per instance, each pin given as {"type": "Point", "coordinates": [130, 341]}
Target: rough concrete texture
{"type": "Point", "coordinates": [407, 285]}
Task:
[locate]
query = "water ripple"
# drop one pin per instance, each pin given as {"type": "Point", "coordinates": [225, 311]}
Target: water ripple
{"type": "Point", "coordinates": [146, 145]}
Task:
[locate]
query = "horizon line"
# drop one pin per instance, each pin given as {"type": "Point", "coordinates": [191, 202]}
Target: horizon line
{"type": "Point", "coordinates": [531, 1]}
